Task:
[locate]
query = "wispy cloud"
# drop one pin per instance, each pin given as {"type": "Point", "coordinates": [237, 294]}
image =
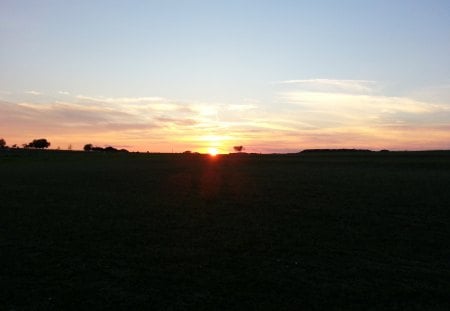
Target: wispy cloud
{"type": "Point", "coordinates": [176, 121]}
{"type": "Point", "coordinates": [143, 120]}
{"type": "Point", "coordinates": [60, 115]}
{"type": "Point", "coordinates": [120, 100]}
{"type": "Point", "coordinates": [63, 93]}
{"type": "Point", "coordinates": [357, 113]}
{"type": "Point", "coordinates": [332, 85]}
{"type": "Point", "coordinates": [357, 107]}
{"type": "Point", "coordinates": [242, 107]}
{"type": "Point", "coordinates": [33, 93]}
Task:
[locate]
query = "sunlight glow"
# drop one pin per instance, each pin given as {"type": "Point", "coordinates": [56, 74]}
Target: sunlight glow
{"type": "Point", "coordinates": [212, 152]}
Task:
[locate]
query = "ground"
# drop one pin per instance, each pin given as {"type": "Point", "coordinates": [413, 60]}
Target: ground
{"type": "Point", "coordinates": [362, 231]}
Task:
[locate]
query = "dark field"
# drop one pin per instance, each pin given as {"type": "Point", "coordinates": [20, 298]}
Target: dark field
{"type": "Point", "coordinates": [85, 231]}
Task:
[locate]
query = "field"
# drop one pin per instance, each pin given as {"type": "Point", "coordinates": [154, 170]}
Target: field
{"type": "Point", "coordinates": [319, 231]}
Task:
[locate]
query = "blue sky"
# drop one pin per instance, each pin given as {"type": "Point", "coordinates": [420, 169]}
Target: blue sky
{"type": "Point", "coordinates": [267, 74]}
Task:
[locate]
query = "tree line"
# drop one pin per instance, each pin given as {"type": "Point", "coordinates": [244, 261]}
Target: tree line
{"type": "Point", "coordinates": [43, 143]}
{"type": "Point", "coordinates": [40, 143]}
{"type": "Point", "coordinates": [90, 147]}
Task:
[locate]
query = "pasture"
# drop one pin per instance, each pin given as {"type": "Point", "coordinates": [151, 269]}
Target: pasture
{"type": "Point", "coordinates": [87, 231]}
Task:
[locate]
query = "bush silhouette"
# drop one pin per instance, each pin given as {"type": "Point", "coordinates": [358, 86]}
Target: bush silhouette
{"type": "Point", "coordinates": [87, 147]}
{"type": "Point", "coordinates": [90, 147]}
{"type": "Point", "coordinates": [39, 143]}
{"type": "Point", "coordinates": [110, 149]}
{"type": "Point", "coordinates": [2, 143]}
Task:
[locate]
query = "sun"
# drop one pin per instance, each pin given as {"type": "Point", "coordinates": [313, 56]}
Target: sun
{"type": "Point", "coordinates": [212, 152]}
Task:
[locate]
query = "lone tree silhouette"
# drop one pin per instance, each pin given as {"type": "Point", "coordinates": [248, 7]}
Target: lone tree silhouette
{"type": "Point", "coordinates": [39, 143]}
{"type": "Point", "coordinates": [2, 143]}
{"type": "Point", "coordinates": [238, 148]}
{"type": "Point", "coordinates": [87, 147]}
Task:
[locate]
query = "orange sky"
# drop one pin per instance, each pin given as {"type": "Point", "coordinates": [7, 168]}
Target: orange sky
{"type": "Point", "coordinates": [302, 114]}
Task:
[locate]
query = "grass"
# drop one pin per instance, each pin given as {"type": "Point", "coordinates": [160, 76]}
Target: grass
{"type": "Point", "coordinates": [255, 232]}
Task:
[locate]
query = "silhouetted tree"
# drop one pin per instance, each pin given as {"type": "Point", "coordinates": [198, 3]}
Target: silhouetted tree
{"type": "Point", "coordinates": [87, 147]}
{"type": "Point", "coordinates": [2, 143]}
{"type": "Point", "coordinates": [110, 149]}
{"type": "Point", "coordinates": [238, 148]}
{"type": "Point", "coordinates": [39, 143]}
{"type": "Point", "coordinates": [90, 147]}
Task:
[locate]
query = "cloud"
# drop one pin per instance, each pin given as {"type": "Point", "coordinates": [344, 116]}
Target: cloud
{"type": "Point", "coordinates": [64, 117]}
{"type": "Point", "coordinates": [353, 103]}
{"type": "Point", "coordinates": [354, 113]}
{"type": "Point", "coordinates": [241, 107]}
{"type": "Point", "coordinates": [333, 85]}
{"type": "Point", "coordinates": [181, 122]}
{"type": "Point", "coordinates": [33, 93]}
{"type": "Point", "coordinates": [139, 105]}
{"type": "Point", "coordinates": [356, 105]}
{"type": "Point", "coordinates": [63, 93]}
{"type": "Point", "coordinates": [206, 110]}
{"type": "Point", "coordinates": [120, 100]}
{"type": "Point", "coordinates": [140, 120]}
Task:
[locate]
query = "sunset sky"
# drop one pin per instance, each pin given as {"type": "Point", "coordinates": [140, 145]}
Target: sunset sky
{"type": "Point", "coordinates": [273, 76]}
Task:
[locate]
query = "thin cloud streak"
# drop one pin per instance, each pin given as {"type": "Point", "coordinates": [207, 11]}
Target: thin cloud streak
{"type": "Point", "coordinates": [120, 100]}
{"type": "Point", "coordinates": [241, 107]}
{"type": "Point", "coordinates": [36, 93]}
{"type": "Point", "coordinates": [323, 85]}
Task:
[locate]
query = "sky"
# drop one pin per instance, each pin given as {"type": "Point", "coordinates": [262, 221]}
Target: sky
{"type": "Point", "coordinates": [271, 75]}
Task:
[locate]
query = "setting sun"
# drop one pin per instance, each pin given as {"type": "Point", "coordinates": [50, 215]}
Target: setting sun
{"type": "Point", "coordinates": [212, 152]}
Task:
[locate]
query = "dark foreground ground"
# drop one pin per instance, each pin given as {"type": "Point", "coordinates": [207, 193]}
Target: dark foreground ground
{"type": "Point", "coordinates": [86, 231]}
